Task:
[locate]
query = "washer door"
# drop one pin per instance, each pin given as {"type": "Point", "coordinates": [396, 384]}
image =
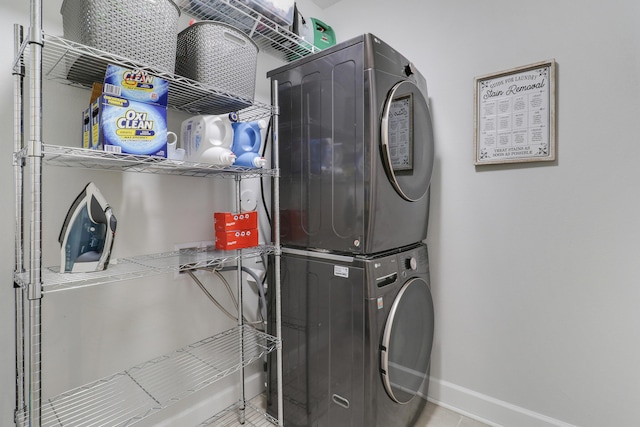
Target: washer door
{"type": "Point", "coordinates": [406, 141]}
{"type": "Point", "coordinates": [407, 341]}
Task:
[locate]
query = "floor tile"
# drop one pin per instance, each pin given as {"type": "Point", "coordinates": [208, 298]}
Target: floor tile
{"type": "Point", "coordinates": [437, 416]}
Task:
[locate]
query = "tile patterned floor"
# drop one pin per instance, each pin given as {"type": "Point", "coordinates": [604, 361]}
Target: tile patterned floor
{"type": "Point", "coordinates": [432, 416]}
{"type": "Point", "coordinates": [437, 416]}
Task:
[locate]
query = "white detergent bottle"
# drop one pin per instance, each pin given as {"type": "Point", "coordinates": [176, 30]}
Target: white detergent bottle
{"type": "Point", "coordinates": [208, 139]}
{"type": "Point", "coordinates": [247, 140]}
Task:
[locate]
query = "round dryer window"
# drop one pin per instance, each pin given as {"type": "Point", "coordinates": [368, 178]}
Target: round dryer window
{"type": "Point", "coordinates": [407, 341]}
{"type": "Point", "coordinates": [406, 138]}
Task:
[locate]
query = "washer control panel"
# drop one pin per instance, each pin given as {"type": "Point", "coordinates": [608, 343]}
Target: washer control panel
{"type": "Point", "coordinates": [386, 271]}
{"type": "Point", "coordinates": [412, 262]}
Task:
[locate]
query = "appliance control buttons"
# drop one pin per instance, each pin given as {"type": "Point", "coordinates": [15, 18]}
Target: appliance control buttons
{"type": "Point", "coordinates": [408, 69]}
{"type": "Point", "coordinates": [411, 263]}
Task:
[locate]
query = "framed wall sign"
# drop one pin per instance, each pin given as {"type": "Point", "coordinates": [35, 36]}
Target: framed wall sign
{"type": "Point", "coordinates": [515, 115]}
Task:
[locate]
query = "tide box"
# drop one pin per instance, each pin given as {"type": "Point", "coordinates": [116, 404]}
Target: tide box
{"type": "Point", "coordinates": [236, 239]}
{"type": "Point", "coordinates": [227, 221]}
{"type": "Point", "coordinates": [135, 85]}
{"type": "Point", "coordinates": [121, 125]}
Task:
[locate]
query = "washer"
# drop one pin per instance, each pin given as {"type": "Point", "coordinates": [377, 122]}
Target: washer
{"type": "Point", "coordinates": [357, 334]}
{"type": "Point", "coordinates": [356, 149]}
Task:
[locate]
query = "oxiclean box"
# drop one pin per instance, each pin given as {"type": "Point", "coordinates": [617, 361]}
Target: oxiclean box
{"type": "Point", "coordinates": [135, 85]}
{"type": "Point", "coordinates": [131, 127]}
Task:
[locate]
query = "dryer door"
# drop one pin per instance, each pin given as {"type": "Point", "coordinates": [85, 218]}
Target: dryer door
{"type": "Point", "coordinates": [406, 139]}
{"type": "Point", "coordinates": [407, 341]}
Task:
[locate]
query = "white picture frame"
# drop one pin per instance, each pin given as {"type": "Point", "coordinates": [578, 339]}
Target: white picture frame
{"type": "Point", "coordinates": [515, 115]}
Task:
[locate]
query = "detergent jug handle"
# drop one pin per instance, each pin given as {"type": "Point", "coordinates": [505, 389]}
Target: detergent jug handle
{"type": "Point", "coordinates": [109, 238]}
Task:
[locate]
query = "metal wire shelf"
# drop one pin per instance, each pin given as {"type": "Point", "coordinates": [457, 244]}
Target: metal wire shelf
{"type": "Point", "coordinates": [143, 266]}
{"type": "Point", "coordinates": [254, 415]}
{"type": "Point", "coordinates": [128, 397]}
{"type": "Point", "coordinates": [269, 36]}
{"type": "Point", "coordinates": [79, 65]}
{"type": "Point", "coordinates": [96, 159]}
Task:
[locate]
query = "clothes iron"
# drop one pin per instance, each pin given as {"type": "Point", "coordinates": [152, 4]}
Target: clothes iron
{"type": "Point", "coordinates": [87, 234]}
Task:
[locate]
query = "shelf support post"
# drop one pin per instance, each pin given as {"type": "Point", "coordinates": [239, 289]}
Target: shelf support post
{"type": "Point", "coordinates": [18, 169]}
{"type": "Point", "coordinates": [243, 403]}
{"type": "Point", "coordinates": [34, 148]}
{"type": "Point", "coordinates": [34, 291]}
{"type": "Point", "coordinates": [275, 153]}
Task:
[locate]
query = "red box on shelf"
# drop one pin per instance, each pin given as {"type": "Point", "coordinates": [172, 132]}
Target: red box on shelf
{"type": "Point", "coordinates": [227, 221]}
{"type": "Point", "coordinates": [236, 239]}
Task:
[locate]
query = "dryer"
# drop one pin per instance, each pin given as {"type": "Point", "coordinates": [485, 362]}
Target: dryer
{"type": "Point", "coordinates": [357, 334]}
{"type": "Point", "coordinates": [356, 149]}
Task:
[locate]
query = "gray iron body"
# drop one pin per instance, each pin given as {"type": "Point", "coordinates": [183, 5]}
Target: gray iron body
{"type": "Point", "coordinates": [86, 237]}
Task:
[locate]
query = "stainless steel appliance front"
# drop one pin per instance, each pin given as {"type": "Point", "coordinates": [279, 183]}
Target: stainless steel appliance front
{"type": "Point", "coordinates": [357, 334]}
{"type": "Point", "coordinates": [356, 149]}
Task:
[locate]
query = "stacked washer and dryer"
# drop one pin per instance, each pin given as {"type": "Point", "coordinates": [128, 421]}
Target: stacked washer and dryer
{"type": "Point", "coordinates": [356, 157]}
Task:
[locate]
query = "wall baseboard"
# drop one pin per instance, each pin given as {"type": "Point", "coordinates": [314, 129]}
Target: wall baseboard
{"type": "Point", "coordinates": [486, 409]}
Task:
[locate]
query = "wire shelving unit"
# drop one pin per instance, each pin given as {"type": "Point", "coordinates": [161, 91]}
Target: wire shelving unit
{"type": "Point", "coordinates": [134, 394]}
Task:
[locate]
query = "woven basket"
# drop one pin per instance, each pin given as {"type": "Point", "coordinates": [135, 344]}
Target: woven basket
{"type": "Point", "coordinates": [219, 56]}
{"type": "Point", "coordinates": [143, 31]}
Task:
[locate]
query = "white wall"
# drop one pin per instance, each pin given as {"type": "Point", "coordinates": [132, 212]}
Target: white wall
{"type": "Point", "coordinates": [535, 267]}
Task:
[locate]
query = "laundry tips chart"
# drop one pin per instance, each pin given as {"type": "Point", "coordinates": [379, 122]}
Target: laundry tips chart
{"type": "Point", "coordinates": [515, 115]}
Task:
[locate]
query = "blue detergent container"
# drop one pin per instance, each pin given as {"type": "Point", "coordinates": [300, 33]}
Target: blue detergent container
{"type": "Point", "coordinates": [247, 140]}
